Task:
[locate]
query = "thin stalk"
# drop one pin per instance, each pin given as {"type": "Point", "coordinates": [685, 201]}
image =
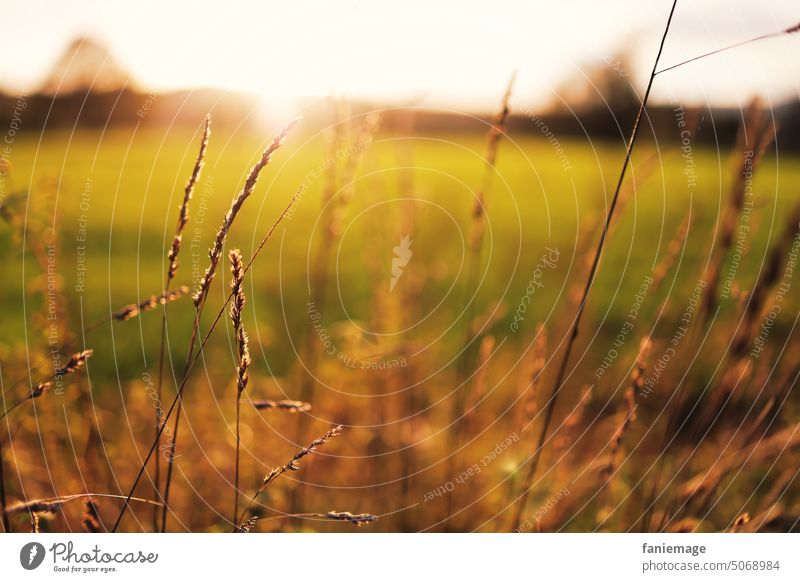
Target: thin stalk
{"type": "Point", "coordinates": [790, 30]}
{"type": "Point", "coordinates": [13, 407]}
{"type": "Point", "coordinates": [172, 269]}
{"type": "Point", "coordinates": [159, 412]}
{"type": "Point", "coordinates": [6, 525]}
{"type": "Point", "coordinates": [52, 503]}
{"type": "Point", "coordinates": [236, 471]}
{"type": "Point", "coordinates": [534, 462]}
{"type": "Point", "coordinates": [179, 398]}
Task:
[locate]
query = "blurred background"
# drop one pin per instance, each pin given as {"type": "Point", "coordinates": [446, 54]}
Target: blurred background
{"type": "Point", "coordinates": [102, 106]}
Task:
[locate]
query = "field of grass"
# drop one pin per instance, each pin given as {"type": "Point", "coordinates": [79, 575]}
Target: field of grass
{"type": "Point", "coordinates": [113, 197]}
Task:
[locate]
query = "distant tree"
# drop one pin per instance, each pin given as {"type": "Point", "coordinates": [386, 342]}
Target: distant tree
{"type": "Point", "coordinates": [85, 66]}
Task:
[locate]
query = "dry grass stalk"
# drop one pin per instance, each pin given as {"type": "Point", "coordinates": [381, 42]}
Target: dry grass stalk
{"type": "Point", "coordinates": [698, 493]}
{"type": "Point", "coordinates": [766, 281]}
{"type": "Point", "coordinates": [740, 522]}
{"type": "Point", "coordinates": [292, 465]}
{"type": "Point", "coordinates": [570, 423]}
{"type": "Point", "coordinates": [589, 224]}
{"type": "Point", "coordinates": [35, 506]}
{"type": "Point", "coordinates": [632, 394]}
{"type": "Point", "coordinates": [90, 521]}
{"type": "Point", "coordinates": [135, 309]}
{"type": "Point", "coordinates": [737, 375]}
{"type": "Point", "coordinates": [3, 498]}
{"type": "Point", "coordinates": [286, 405]}
{"type": "Point", "coordinates": [790, 30]}
{"type": "Point", "coordinates": [215, 254]}
{"type": "Point", "coordinates": [237, 307]}
{"type": "Point", "coordinates": [496, 131]}
{"type": "Point", "coordinates": [366, 134]}
{"type": "Point", "coordinates": [341, 113]}
{"type": "Point", "coordinates": [357, 519]}
{"type": "Point", "coordinates": [479, 381]}
{"type": "Point", "coordinates": [705, 483]}
{"type": "Point", "coordinates": [645, 170]}
{"type": "Point", "coordinates": [574, 419]}
{"type": "Point", "coordinates": [674, 249]}
{"type": "Point", "coordinates": [631, 404]}
{"type": "Point", "coordinates": [53, 504]}
{"type": "Point", "coordinates": [248, 525]}
{"type": "Point", "coordinates": [243, 363]}
{"type": "Point", "coordinates": [755, 135]}
{"type": "Point", "coordinates": [172, 269]}
{"type": "Point", "coordinates": [35, 392]}
{"type": "Point", "coordinates": [192, 359]}
{"type": "Point", "coordinates": [250, 183]}
{"type": "Point", "coordinates": [583, 248]}
{"type": "Point", "coordinates": [529, 387]}
{"type": "Point", "coordinates": [75, 363]}
{"type": "Point", "coordinates": [780, 488]}
{"type": "Point", "coordinates": [685, 525]}
{"type": "Point", "coordinates": [40, 389]}
{"type": "Point", "coordinates": [775, 519]}
{"type": "Point", "coordinates": [740, 369]}
{"type": "Point", "coordinates": [478, 225]}
{"type": "Point", "coordinates": [494, 312]}
{"type": "Point", "coordinates": [479, 390]}
{"type": "Point", "coordinates": [573, 334]}
{"type": "Point", "coordinates": [183, 214]}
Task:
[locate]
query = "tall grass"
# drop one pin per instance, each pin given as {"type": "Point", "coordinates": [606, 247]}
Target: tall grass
{"type": "Point", "coordinates": [172, 270]}
{"type": "Point", "coordinates": [198, 299]}
{"type": "Point", "coordinates": [243, 357]}
{"type": "Point", "coordinates": [680, 461]}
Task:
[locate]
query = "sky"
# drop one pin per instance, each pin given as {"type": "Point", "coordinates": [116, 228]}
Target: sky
{"type": "Point", "coordinates": [447, 53]}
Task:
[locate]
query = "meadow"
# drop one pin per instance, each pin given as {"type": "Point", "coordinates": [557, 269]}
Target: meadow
{"type": "Point", "coordinates": [436, 435]}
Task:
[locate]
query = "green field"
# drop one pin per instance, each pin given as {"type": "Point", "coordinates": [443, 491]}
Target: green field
{"type": "Point", "coordinates": [120, 190]}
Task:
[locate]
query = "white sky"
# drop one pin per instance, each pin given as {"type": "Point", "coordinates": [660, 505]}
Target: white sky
{"type": "Point", "coordinates": [454, 53]}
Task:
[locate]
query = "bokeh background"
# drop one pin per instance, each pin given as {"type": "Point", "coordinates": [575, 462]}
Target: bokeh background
{"type": "Point", "coordinates": [426, 365]}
